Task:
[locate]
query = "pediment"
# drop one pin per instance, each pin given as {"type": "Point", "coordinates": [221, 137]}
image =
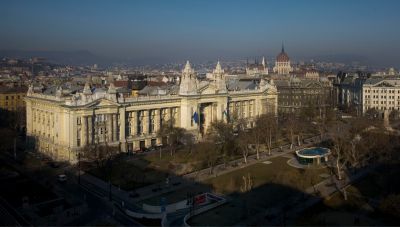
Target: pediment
{"type": "Point", "coordinates": [103, 103]}
{"type": "Point", "coordinates": [384, 84]}
{"type": "Point", "coordinates": [208, 89]}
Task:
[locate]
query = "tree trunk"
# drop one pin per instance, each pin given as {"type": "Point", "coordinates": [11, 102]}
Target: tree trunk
{"type": "Point", "coordinates": [291, 139]}
{"type": "Point", "coordinates": [258, 151]}
{"type": "Point", "coordinates": [338, 169]}
{"type": "Point", "coordinates": [245, 158]}
{"type": "Point", "coordinates": [270, 143]}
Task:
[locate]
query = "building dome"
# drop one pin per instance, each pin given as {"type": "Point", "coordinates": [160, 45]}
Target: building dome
{"type": "Point", "coordinates": [282, 57]}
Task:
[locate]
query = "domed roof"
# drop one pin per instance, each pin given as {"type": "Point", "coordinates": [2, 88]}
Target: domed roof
{"type": "Point", "coordinates": [282, 56]}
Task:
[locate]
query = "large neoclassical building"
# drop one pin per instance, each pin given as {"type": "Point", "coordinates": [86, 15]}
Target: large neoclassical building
{"type": "Point", "coordinates": [63, 121]}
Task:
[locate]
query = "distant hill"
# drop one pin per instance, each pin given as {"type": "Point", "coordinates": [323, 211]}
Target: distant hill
{"type": "Point", "coordinates": [77, 58]}
{"type": "Point", "coordinates": [342, 58]}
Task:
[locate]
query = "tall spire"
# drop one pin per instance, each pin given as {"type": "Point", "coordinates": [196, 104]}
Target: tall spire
{"type": "Point", "coordinates": [188, 68]}
{"type": "Point", "coordinates": [218, 68]}
{"type": "Point", "coordinates": [283, 47]}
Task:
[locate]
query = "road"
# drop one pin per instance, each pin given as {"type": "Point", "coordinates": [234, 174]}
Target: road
{"type": "Point", "coordinates": [98, 207]}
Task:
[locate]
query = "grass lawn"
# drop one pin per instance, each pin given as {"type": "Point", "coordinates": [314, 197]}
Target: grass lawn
{"type": "Point", "coordinates": [272, 183]}
{"type": "Point", "coordinates": [131, 174]}
{"type": "Point", "coordinates": [278, 172]}
{"type": "Point", "coordinates": [337, 211]}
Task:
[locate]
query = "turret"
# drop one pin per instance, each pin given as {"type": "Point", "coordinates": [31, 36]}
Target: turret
{"type": "Point", "coordinates": [86, 89]}
{"type": "Point", "coordinates": [59, 92]}
{"type": "Point", "coordinates": [30, 89]}
{"type": "Point", "coordinates": [188, 85]}
{"type": "Point", "coordinates": [112, 91]}
{"type": "Point", "coordinates": [219, 79]}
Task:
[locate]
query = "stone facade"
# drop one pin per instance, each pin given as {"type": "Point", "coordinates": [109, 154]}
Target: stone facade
{"type": "Point", "coordinates": [63, 123]}
{"type": "Point", "coordinates": [296, 94]}
{"type": "Point", "coordinates": [381, 94]}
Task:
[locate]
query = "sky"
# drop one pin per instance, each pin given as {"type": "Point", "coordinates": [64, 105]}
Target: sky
{"type": "Point", "coordinates": [168, 30]}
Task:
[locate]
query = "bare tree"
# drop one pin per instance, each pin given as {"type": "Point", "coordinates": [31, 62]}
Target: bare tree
{"type": "Point", "coordinates": [101, 155]}
{"type": "Point", "coordinates": [292, 127]}
{"type": "Point", "coordinates": [269, 126]}
{"type": "Point", "coordinates": [256, 136]}
{"type": "Point", "coordinates": [222, 135]}
{"type": "Point", "coordinates": [207, 155]}
{"type": "Point", "coordinates": [188, 140]}
{"type": "Point", "coordinates": [173, 135]}
{"type": "Point", "coordinates": [244, 140]}
{"type": "Point", "coordinates": [340, 148]}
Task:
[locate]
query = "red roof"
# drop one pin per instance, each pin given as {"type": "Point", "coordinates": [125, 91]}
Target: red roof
{"type": "Point", "coordinates": [155, 83]}
{"type": "Point", "coordinates": [121, 83]}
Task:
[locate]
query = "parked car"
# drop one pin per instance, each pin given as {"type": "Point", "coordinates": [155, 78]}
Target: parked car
{"type": "Point", "coordinates": [62, 178]}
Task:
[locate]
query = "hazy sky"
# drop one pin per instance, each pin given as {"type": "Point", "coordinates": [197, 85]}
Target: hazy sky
{"type": "Point", "coordinates": [201, 29]}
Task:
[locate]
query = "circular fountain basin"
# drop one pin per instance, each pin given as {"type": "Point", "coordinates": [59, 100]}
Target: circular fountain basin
{"type": "Point", "coordinates": [313, 155]}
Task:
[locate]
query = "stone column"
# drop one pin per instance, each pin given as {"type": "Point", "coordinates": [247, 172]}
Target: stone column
{"type": "Point", "coordinates": [157, 116]}
{"type": "Point", "coordinates": [178, 114]}
{"type": "Point", "coordinates": [145, 122]}
{"type": "Point", "coordinates": [169, 114]}
{"type": "Point", "coordinates": [248, 109]}
{"type": "Point", "coordinates": [134, 122]}
{"type": "Point", "coordinates": [72, 132]}
{"type": "Point", "coordinates": [122, 128]}
{"type": "Point", "coordinates": [83, 131]}
{"type": "Point", "coordinates": [90, 130]}
{"type": "Point", "coordinates": [109, 128]}
{"type": "Point", "coordinates": [115, 116]}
